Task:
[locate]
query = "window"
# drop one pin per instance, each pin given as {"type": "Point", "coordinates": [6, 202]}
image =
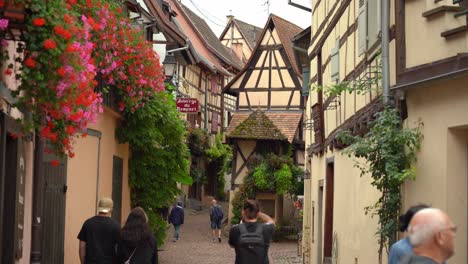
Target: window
{"type": "Point", "coordinates": [368, 24]}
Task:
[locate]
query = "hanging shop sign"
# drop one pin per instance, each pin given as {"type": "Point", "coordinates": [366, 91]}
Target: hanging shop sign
{"type": "Point", "coordinates": [187, 105]}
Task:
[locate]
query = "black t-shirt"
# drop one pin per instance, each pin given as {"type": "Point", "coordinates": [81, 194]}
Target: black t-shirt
{"type": "Point", "coordinates": [101, 234]}
{"type": "Point", "coordinates": [234, 235]}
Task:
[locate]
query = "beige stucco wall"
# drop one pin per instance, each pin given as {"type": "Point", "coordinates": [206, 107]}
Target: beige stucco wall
{"type": "Point", "coordinates": [355, 231]}
{"type": "Point", "coordinates": [82, 179]}
{"type": "Point", "coordinates": [247, 147]}
{"type": "Point", "coordinates": [442, 167]}
{"type": "Point", "coordinates": [418, 29]}
{"type": "Point", "coordinates": [239, 44]}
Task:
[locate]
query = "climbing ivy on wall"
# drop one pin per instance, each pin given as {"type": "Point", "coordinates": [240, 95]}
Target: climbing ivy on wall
{"type": "Point", "coordinates": [271, 173]}
{"type": "Point", "coordinates": [159, 157]}
{"type": "Point", "coordinates": [389, 152]}
{"type": "Point", "coordinates": [221, 154]}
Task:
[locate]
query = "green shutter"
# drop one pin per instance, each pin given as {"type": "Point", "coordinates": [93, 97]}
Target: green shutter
{"type": "Point", "coordinates": [362, 27]}
{"type": "Point", "coordinates": [305, 81]}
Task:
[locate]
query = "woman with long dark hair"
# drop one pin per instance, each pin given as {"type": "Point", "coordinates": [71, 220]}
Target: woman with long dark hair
{"type": "Point", "coordinates": [137, 243]}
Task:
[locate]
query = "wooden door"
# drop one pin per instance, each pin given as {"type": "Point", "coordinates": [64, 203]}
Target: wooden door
{"type": "Point", "coordinates": [328, 232]}
{"type": "Point", "coordinates": [117, 178]}
{"type": "Point", "coordinates": [53, 219]}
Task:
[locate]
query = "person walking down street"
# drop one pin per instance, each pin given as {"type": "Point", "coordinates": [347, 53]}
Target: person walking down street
{"type": "Point", "coordinates": [216, 220]}
{"type": "Point", "coordinates": [251, 239]}
{"type": "Point", "coordinates": [176, 218]}
{"type": "Point", "coordinates": [403, 247]}
{"type": "Point", "coordinates": [137, 243]}
{"type": "Point", "coordinates": [99, 236]}
{"type": "Point", "coordinates": [432, 235]}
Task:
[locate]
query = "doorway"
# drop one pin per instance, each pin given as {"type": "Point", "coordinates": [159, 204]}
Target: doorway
{"type": "Point", "coordinates": [320, 223]}
{"type": "Point", "coordinates": [328, 232]}
{"type": "Point", "coordinates": [117, 178]}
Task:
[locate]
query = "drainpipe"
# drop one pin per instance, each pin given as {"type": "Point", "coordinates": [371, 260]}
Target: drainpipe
{"type": "Point", "coordinates": [98, 134]}
{"type": "Point", "coordinates": [385, 51]}
{"type": "Point", "coordinates": [38, 194]}
{"type": "Point", "coordinates": [206, 103]}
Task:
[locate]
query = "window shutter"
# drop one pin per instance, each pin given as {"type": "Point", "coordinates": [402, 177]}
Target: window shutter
{"type": "Point", "coordinates": [373, 22]}
{"type": "Point", "coordinates": [362, 26]}
{"type": "Point", "coordinates": [305, 81]}
{"type": "Point", "coordinates": [335, 62]}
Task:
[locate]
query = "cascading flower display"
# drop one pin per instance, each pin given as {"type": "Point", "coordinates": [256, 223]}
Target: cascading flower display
{"type": "Point", "coordinates": [66, 45]}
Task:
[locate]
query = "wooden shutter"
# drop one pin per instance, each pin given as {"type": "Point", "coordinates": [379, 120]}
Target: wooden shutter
{"type": "Point", "coordinates": [53, 220]}
{"type": "Point", "coordinates": [373, 22]}
{"type": "Point", "coordinates": [362, 26]}
{"type": "Point", "coordinates": [117, 178]}
{"type": "Point", "coordinates": [317, 122]}
{"type": "Point", "coordinates": [305, 81]}
{"type": "Point", "coordinates": [335, 62]}
{"type": "Point", "coordinates": [214, 123]}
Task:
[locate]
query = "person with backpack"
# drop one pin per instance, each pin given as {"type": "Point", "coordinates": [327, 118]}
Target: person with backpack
{"type": "Point", "coordinates": [176, 218]}
{"type": "Point", "coordinates": [251, 239]}
{"type": "Point", "coordinates": [216, 219]}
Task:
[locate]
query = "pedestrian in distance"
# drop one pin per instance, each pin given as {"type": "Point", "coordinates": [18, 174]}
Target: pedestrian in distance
{"type": "Point", "coordinates": [137, 244]}
{"type": "Point", "coordinates": [99, 236]}
{"type": "Point", "coordinates": [176, 218]}
{"type": "Point", "coordinates": [251, 239]}
{"type": "Point", "coordinates": [403, 247]}
{"type": "Point", "coordinates": [432, 235]}
{"type": "Point", "coordinates": [216, 220]}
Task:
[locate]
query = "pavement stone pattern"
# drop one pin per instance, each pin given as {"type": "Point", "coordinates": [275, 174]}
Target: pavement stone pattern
{"type": "Point", "coordinates": [196, 245]}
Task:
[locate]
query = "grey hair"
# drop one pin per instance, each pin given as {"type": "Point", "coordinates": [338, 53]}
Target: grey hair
{"type": "Point", "coordinates": [420, 233]}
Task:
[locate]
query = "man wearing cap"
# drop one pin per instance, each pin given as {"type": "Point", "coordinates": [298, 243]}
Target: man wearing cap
{"type": "Point", "coordinates": [99, 235]}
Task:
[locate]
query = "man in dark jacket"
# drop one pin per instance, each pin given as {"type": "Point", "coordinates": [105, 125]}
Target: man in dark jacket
{"type": "Point", "coordinates": [177, 219]}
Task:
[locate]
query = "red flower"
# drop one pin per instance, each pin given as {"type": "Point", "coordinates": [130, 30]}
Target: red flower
{"type": "Point", "coordinates": [50, 44]}
{"type": "Point", "coordinates": [71, 155]}
{"type": "Point", "coordinates": [39, 22]}
{"type": "Point", "coordinates": [30, 62]}
{"type": "Point", "coordinates": [8, 72]}
{"type": "Point", "coordinates": [84, 135]}
{"type": "Point", "coordinates": [55, 163]}
{"type": "Point", "coordinates": [61, 72]}
{"type": "Point", "coordinates": [70, 130]}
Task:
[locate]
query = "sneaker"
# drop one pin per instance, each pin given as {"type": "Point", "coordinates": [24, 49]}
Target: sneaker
{"type": "Point", "coordinates": [174, 240]}
{"type": "Point", "coordinates": [219, 239]}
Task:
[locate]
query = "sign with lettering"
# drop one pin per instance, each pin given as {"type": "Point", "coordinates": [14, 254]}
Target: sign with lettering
{"type": "Point", "coordinates": [187, 105]}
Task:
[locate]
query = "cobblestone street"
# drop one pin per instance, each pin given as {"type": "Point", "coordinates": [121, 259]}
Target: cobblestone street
{"type": "Point", "coordinates": [195, 245]}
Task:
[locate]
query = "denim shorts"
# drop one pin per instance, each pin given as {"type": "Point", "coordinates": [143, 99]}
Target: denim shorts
{"type": "Point", "coordinates": [216, 224]}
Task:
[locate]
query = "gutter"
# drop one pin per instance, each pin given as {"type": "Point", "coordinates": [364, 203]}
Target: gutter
{"type": "Point", "coordinates": [445, 76]}
{"type": "Point", "coordinates": [385, 23]}
{"type": "Point", "coordinates": [299, 6]}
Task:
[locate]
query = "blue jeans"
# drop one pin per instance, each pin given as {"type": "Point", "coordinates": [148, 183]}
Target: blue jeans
{"type": "Point", "coordinates": [177, 231]}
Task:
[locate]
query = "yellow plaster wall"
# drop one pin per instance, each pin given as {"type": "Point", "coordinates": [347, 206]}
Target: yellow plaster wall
{"type": "Point", "coordinates": [354, 230]}
{"type": "Point", "coordinates": [442, 167]}
{"type": "Point", "coordinates": [246, 146]}
{"type": "Point", "coordinates": [82, 179]}
{"type": "Point", "coordinates": [419, 28]}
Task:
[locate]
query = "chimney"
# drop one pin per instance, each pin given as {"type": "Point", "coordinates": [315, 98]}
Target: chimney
{"type": "Point", "coordinates": [229, 17]}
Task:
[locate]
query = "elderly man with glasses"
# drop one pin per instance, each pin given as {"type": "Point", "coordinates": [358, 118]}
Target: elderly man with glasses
{"type": "Point", "coordinates": [432, 235]}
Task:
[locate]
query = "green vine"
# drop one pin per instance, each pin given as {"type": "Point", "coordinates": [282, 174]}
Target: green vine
{"type": "Point", "coordinates": [159, 156]}
{"type": "Point", "coordinates": [389, 150]}
{"type": "Point", "coordinates": [221, 154]}
{"type": "Point", "coordinates": [272, 173]}
{"type": "Point", "coordinates": [198, 141]}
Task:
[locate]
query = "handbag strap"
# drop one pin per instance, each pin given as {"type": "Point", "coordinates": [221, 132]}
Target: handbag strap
{"type": "Point", "coordinates": [130, 258]}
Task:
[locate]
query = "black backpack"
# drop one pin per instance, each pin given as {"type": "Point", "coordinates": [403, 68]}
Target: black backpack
{"type": "Point", "coordinates": [217, 213]}
{"type": "Point", "coordinates": [251, 245]}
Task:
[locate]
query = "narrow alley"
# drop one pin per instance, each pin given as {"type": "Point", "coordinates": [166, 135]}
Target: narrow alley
{"type": "Point", "coordinates": [195, 245]}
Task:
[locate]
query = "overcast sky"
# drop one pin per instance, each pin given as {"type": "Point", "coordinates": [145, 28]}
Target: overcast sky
{"type": "Point", "coordinates": [254, 12]}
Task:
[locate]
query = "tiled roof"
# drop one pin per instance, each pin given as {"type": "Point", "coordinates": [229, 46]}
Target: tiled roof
{"type": "Point", "coordinates": [210, 38]}
{"type": "Point", "coordinates": [264, 125]}
{"type": "Point", "coordinates": [286, 31]}
{"type": "Point", "coordinates": [250, 32]}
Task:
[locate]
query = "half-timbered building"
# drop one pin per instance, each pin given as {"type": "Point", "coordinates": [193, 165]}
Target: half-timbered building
{"type": "Point", "coordinates": [344, 49]}
{"type": "Point", "coordinates": [203, 80]}
{"type": "Point", "coordinates": [268, 88]}
{"type": "Point", "coordinates": [241, 37]}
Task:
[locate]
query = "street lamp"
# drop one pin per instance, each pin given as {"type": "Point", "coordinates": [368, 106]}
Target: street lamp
{"type": "Point", "coordinates": [169, 65]}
